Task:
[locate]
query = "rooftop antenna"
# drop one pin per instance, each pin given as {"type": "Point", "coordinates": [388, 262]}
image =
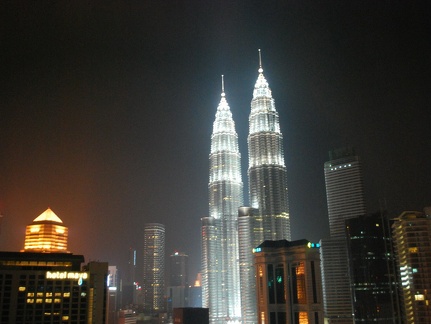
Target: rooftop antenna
{"type": "Point", "coordinates": [222, 85]}
{"type": "Point", "coordinates": [260, 62]}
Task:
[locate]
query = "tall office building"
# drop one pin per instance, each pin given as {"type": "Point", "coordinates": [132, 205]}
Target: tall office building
{"type": "Point", "coordinates": [344, 189]}
{"type": "Point", "coordinates": [153, 285]}
{"type": "Point", "coordinates": [128, 281]}
{"type": "Point", "coordinates": [250, 235]}
{"type": "Point", "coordinates": [179, 269]}
{"type": "Point", "coordinates": [268, 216]}
{"type": "Point", "coordinates": [220, 266]}
{"type": "Point", "coordinates": [374, 278]}
{"type": "Point", "coordinates": [412, 240]}
{"type": "Point", "coordinates": [345, 198]}
{"type": "Point", "coordinates": [178, 286]}
{"type": "Point", "coordinates": [46, 234]}
{"type": "Point", "coordinates": [113, 283]}
{"type": "Point", "coordinates": [267, 174]}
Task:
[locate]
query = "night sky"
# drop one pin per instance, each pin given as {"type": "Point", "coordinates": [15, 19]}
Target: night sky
{"type": "Point", "coordinates": [107, 110]}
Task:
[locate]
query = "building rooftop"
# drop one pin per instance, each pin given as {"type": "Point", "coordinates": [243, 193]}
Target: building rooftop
{"type": "Point", "coordinates": [282, 243]}
{"type": "Point", "coordinates": [48, 215]}
{"type": "Point", "coordinates": [40, 260]}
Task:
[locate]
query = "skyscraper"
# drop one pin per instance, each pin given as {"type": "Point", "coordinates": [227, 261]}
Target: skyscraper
{"type": "Point", "coordinates": [412, 240]}
{"type": "Point", "coordinates": [373, 274]}
{"type": "Point", "coordinates": [345, 198]}
{"type": "Point", "coordinates": [178, 286]}
{"type": "Point", "coordinates": [179, 269]}
{"type": "Point", "coordinates": [267, 174]}
{"type": "Point", "coordinates": [344, 189]}
{"type": "Point", "coordinates": [46, 234]}
{"type": "Point", "coordinates": [220, 266]}
{"type": "Point", "coordinates": [153, 285]}
{"type": "Point", "coordinates": [268, 217]}
{"type": "Point", "coordinates": [250, 235]}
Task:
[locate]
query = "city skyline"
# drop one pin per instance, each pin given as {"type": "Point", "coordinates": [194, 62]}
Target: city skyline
{"type": "Point", "coordinates": [107, 111]}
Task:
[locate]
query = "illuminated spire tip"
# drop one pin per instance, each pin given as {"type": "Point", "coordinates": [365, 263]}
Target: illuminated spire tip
{"type": "Point", "coordinates": [222, 85]}
{"type": "Point", "coordinates": [260, 62]}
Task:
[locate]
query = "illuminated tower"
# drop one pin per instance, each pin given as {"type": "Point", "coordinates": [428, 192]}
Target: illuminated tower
{"type": "Point", "coordinates": [267, 172]}
{"type": "Point", "coordinates": [154, 268]}
{"type": "Point", "coordinates": [268, 216]}
{"type": "Point", "coordinates": [46, 234]}
{"type": "Point", "coordinates": [220, 266]}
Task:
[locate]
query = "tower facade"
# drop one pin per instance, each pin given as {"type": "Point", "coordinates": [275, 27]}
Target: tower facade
{"type": "Point", "coordinates": [153, 285]}
{"type": "Point", "coordinates": [178, 287]}
{"type": "Point", "coordinates": [267, 174]}
{"type": "Point", "coordinates": [179, 269]}
{"type": "Point", "coordinates": [345, 199]}
{"type": "Point", "coordinates": [412, 240]}
{"type": "Point", "coordinates": [267, 217]}
{"type": "Point", "coordinates": [373, 274]}
{"type": "Point", "coordinates": [220, 266]}
{"type": "Point", "coordinates": [46, 234]}
{"type": "Point", "coordinates": [344, 189]}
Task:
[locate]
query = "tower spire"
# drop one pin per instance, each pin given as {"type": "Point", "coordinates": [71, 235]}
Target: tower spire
{"type": "Point", "coordinates": [222, 85]}
{"type": "Point", "coordinates": [260, 62]}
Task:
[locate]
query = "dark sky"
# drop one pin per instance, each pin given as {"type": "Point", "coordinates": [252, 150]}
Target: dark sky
{"type": "Point", "coordinates": [107, 109]}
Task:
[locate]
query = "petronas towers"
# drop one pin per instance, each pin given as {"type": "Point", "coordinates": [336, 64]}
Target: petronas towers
{"type": "Point", "coordinates": [231, 230]}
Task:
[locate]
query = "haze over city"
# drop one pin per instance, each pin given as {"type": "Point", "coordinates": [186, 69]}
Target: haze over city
{"type": "Point", "coordinates": [107, 110]}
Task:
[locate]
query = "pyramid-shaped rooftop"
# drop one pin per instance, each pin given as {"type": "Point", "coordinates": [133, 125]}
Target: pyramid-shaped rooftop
{"type": "Point", "coordinates": [48, 215]}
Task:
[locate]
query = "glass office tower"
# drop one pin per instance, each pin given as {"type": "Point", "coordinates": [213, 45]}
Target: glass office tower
{"type": "Point", "coordinates": [345, 198]}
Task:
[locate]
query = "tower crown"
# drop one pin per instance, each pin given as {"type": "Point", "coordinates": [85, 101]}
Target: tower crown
{"type": "Point", "coordinates": [46, 234]}
{"type": "Point", "coordinates": [223, 122]}
{"type": "Point", "coordinates": [261, 88]}
{"type": "Point", "coordinates": [48, 215]}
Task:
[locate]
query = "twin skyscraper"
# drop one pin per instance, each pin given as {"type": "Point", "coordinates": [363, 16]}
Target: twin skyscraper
{"type": "Point", "coordinates": [232, 230]}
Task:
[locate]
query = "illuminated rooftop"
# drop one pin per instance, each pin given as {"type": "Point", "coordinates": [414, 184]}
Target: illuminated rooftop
{"type": "Point", "coordinates": [48, 215]}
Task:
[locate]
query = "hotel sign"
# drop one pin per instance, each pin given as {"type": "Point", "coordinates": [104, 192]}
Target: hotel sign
{"type": "Point", "coordinates": [65, 275]}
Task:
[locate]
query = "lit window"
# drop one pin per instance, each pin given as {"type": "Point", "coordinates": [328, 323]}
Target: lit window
{"type": "Point", "coordinates": [65, 318]}
{"type": "Point", "coordinates": [39, 294]}
{"type": "Point", "coordinates": [30, 301]}
{"type": "Point", "coordinates": [419, 297]}
{"type": "Point", "coordinates": [39, 301]}
{"type": "Point", "coordinates": [413, 250]}
{"type": "Point", "coordinates": [48, 300]}
{"type": "Point", "coordinates": [303, 318]}
{"type": "Point", "coordinates": [48, 294]}
{"type": "Point", "coordinates": [66, 294]}
{"type": "Point", "coordinates": [21, 288]}
{"type": "Point", "coordinates": [57, 300]}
